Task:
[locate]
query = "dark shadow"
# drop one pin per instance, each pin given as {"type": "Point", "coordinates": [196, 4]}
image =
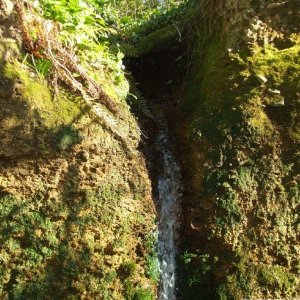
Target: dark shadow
{"type": "Point", "coordinates": [155, 75]}
{"type": "Point", "coordinates": [159, 77]}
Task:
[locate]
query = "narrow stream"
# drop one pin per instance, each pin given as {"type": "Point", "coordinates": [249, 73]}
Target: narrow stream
{"type": "Point", "coordinates": [169, 188]}
{"type": "Point", "coordinates": [154, 74]}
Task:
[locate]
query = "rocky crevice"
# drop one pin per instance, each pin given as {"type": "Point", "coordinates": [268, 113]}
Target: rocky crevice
{"type": "Point", "coordinates": [78, 195]}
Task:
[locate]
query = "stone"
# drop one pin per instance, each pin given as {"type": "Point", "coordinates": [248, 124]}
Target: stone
{"type": "Point", "coordinates": [23, 172]}
{"type": "Point", "coordinates": [261, 78]}
{"type": "Point", "coordinates": [274, 92]}
{"type": "Point", "coordinates": [83, 155]}
{"type": "Point", "coordinates": [276, 101]}
{"type": "Point", "coordinates": [93, 170]}
{"type": "Point", "coordinates": [7, 8]}
{"type": "Point", "coordinates": [276, 4]}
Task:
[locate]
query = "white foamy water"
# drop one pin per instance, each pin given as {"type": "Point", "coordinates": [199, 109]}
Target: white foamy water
{"type": "Point", "coordinates": [169, 186]}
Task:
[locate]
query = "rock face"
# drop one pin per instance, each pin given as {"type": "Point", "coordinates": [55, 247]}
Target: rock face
{"type": "Point", "coordinates": [75, 206]}
{"type": "Point", "coordinates": [243, 169]}
{"type": "Point", "coordinates": [7, 20]}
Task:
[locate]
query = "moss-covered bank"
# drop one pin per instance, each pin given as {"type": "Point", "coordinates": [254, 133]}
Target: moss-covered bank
{"type": "Point", "coordinates": [76, 207]}
{"type": "Point", "coordinates": [241, 115]}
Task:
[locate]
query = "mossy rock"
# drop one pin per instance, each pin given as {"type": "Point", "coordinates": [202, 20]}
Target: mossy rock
{"type": "Point", "coordinates": [30, 117]}
{"type": "Point", "coordinates": [158, 40]}
{"type": "Point", "coordinates": [251, 281]}
{"type": "Point", "coordinates": [242, 103]}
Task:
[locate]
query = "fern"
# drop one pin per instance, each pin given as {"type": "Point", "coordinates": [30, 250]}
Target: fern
{"type": "Point", "coordinates": [142, 104]}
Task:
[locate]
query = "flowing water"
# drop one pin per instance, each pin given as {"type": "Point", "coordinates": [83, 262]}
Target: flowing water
{"type": "Point", "coordinates": [169, 188]}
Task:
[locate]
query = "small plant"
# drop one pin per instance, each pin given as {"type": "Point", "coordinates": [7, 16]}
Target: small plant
{"type": "Point", "coordinates": [197, 267]}
{"type": "Point", "coordinates": [39, 65]}
{"type": "Point", "coordinates": [67, 137]}
{"type": "Point", "coordinates": [153, 270]}
{"type": "Point", "coordinates": [143, 294]}
{"type": "Point", "coordinates": [151, 257]}
{"type": "Point", "coordinates": [128, 269]}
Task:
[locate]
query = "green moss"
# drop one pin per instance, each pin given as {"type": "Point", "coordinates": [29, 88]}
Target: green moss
{"type": "Point", "coordinates": [62, 247]}
{"type": "Point", "coordinates": [279, 66]}
{"type": "Point", "coordinates": [158, 40]}
{"type": "Point", "coordinates": [282, 70]}
{"type": "Point", "coordinates": [8, 48]}
{"type": "Point", "coordinates": [251, 143]}
{"type": "Point", "coordinates": [225, 99]}
{"type": "Point", "coordinates": [197, 271]}
{"type": "Point", "coordinates": [245, 179]}
{"type": "Point", "coordinates": [53, 112]}
{"type": "Point", "coordinates": [128, 269]}
{"type": "Point", "coordinates": [201, 83]}
{"type": "Point", "coordinates": [248, 279]}
{"type": "Point", "coordinates": [227, 209]}
{"type": "Point", "coordinates": [151, 257]}
{"type": "Point", "coordinates": [32, 120]}
{"type": "Point", "coordinates": [115, 87]}
{"type": "Point", "coordinates": [280, 279]}
{"type": "Point", "coordinates": [231, 290]}
{"type": "Point", "coordinates": [224, 92]}
{"type": "Point", "coordinates": [67, 137]}
{"type": "Point", "coordinates": [143, 294]}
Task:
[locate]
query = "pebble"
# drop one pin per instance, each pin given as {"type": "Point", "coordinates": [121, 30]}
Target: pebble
{"type": "Point", "coordinates": [83, 155]}
{"type": "Point", "coordinates": [274, 92]}
{"type": "Point", "coordinates": [261, 78]}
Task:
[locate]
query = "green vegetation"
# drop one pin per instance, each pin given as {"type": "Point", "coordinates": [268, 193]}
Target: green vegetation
{"type": "Point", "coordinates": [241, 105]}
{"type": "Point", "coordinates": [67, 137]}
{"type": "Point", "coordinates": [38, 96]}
{"type": "Point", "coordinates": [248, 280]}
{"type": "Point", "coordinates": [53, 248]}
{"type": "Point", "coordinates": [99, 29]}
{"type": "Point", "coordinates": [85, 29]}
{"type": "Point", "coordinates": [204, 267]}
{"type": "Point", "coordinates": [152, 257]}
{"type": "Point", "coordinates": [143, 294]}
{"type": "Point", "coordinates": [34, 118]}
{"type": "Point", "coordinates": [71, 198]}
{"type": "Point", "coordinates": [75, 207]}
